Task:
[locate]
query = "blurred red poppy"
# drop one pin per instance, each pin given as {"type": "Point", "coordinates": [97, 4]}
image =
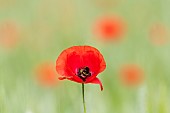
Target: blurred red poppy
{"type": "Point", "coordinates": [81, 64]}
{"type": "Point", "coordinates": [9, 34]}
{"type": "Point", "coordinates": [106, 4]}
{"type": "Point", "coordinates": [131, 75]}
{"type": "Point", "coordinates": [159, 34]}
{"type": "Point", "coordinates": [109, 28]}
{"type": "Point", "coordinates": [46, 74]}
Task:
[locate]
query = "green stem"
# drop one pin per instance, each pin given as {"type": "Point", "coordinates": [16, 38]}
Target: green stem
{"type": "Point", "coordinates": [84, 104]}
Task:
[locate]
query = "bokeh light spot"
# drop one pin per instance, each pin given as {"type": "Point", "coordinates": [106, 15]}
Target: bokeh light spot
{"type": "Point", "coordinates": [109, 28]}
{"type": "Point", "coordinates": [159, 34]}
{"type": "Point", "coordinates": [131, 75]}
{"type": "Point", "coordinates": [46, 74]}
{"type": "Point", "coordinates": [9, 34]}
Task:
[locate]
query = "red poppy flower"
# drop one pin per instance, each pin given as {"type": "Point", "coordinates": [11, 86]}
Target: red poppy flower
{"type": "Point", "coordinates": [131, 75]}
{"type": "Point", "coordinates": [81, 64]}
{"type": "Point", "coordinates": [46, 74]}
{"type": "Point", "coordinates": [109, 27]}
{"type": "Point", "coordinates": [159, 34]}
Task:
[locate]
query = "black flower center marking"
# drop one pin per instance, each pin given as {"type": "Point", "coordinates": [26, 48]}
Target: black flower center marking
{"type": "Point", "coordinates": [83, 73]}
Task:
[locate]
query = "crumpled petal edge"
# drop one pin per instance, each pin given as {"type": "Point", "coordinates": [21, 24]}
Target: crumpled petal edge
{"type": "Point", "coordinates": [63, 77]}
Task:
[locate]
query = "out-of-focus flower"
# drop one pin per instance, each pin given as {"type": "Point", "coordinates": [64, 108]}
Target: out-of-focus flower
{"type": "Point", "coordinates": [7, 3]}
{"type": "Point", "coordinates": [159, 34]}
{"type": "Point", "coordinates": [81, 64]}
{"type": "Point", "coordinates": [131, 75]}
{"type": "Point", "coordinates": [106, 3]}
{"type": "Point", "coordinates": [109, 28]}
{"type": "Point", "coordinates": [46, 74]}
{"type": "Point", "coordinates": [9, 34]}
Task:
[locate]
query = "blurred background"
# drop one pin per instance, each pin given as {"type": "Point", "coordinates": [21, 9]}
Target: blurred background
{"type": "Point", "coordinates": [133, 37]}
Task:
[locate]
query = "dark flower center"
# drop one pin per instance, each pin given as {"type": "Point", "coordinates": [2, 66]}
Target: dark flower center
{"type": "Point", "coordinates": [83, 73]}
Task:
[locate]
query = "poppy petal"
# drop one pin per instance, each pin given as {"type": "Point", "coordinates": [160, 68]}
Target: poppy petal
{"type": "Point", "coordinates": [97, 81]}
{"type": "Point", "coordinates": [63, 65]}
{"type": "Point", "coordinates": [98, 57]}
{"type": "Point", "coordinates": [69, 78]}
{"type": "Point", "coordinates": [62, 78]}
{"type": "Point", "coordinates": [94, 59]}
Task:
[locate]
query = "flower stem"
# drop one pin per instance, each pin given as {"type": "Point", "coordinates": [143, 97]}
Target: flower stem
{"type": "Point", "coordinates": [84, 104]}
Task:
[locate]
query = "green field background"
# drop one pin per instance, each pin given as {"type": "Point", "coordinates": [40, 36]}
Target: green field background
{"type": "Point", "coordinates": [49, 26]}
